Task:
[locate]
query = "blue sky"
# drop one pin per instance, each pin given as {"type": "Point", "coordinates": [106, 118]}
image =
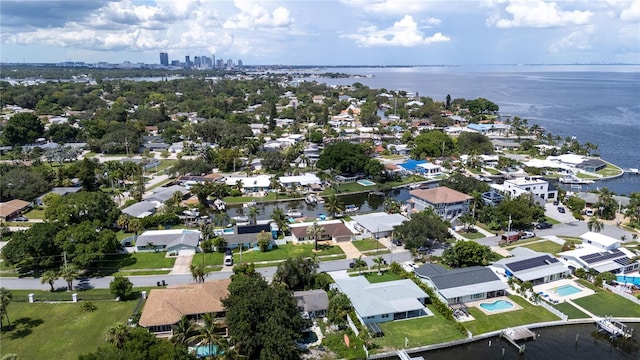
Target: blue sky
{"type": "Point", "coordinates": [335, 32]}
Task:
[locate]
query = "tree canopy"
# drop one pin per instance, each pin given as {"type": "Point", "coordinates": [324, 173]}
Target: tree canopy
{"type": "Point", "coordinates": [433, 143]}
{"type": "Point", "coordinates": [468, 253]}
{"type": "Point", "coordinates": [297, 273]}
{"type": "Point", "coordinates": [423, 228]}
{"type": "Point", "coordinates": [22, 129]}
{"type": "Point", "coordinates": [474, 143]}
{"type": "Point", "coordinates": [84, 206]}
{"type": "Point", "coordinates": [344, 158]}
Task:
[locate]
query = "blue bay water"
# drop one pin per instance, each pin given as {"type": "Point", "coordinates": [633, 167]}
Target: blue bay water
{"type": "Point", "coordinates": [599, 104]}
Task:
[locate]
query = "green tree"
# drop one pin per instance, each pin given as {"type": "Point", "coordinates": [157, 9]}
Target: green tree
{"type": "Point", "coordinates": [23, 183]}
{"type": "Point", "coordinates": [339, 307]}
{"type": "Point", "coordinates": [121, 287]}
{"type": "Point", "coordinates": [297, 273]}
{"type": "Point", "coordinates": [208, 334]}
{"type": "Point", "coordinates": [379, 260]}
{"type": "Point", "coordinates": [521, 210]}
{"type": "Point", "coordinates": [433, 143]}
{"type": "Point", "coordinates": [49, 277]}
{"type": "Point", "coordinates": [333, 205]}
{"type": "Point", "coordinates": [84, 245]}
{"type": "Point", "coordinates": [183, 332]}
{"type": "Point", "coordinates": [467, 220]}
{"type": "Point", "coordinates": [632, 210]}
{"type": "Point", "coordinates": [359, 264]}
{"type": "Point", "coordinates": [595, 224]}
{"type": "Point", "coordinates": [474, 143]}
{"type": "Point", "coordinates": [344, 158]}
{"type": "Point", "coordinates": [264, 240]}
{"type": "Point", "coordinates": [198, 272]}
{"type": "Point", "coordinates": [84, 206]}
{"type": "Point", "coordinates": [465, 184]}
{"type": "Point", "coordinates": [69, 273]}
{"type": "Point", "coordinates": [315, 231]}
{"type": "Point", "coordinates": [5, 299]}
{"type": "Point", "coordinates": [279, 217]}
{"type": "Point", "coordinates": [422, 229]}
{"type": "Point", "coordinates": [467, 253]}
{"type": "Point", "coordinates": [22, 129]}
{"type": "Point", "coordinates": [117, 334]}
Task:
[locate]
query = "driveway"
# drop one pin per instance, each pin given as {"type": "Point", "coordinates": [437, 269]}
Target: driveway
{"type": "Point", "coordinates": [182, 265]}
{"type": "Point", "coordinates": [349, 249]}
{"type": "Point", "coordinates": [551, 211]}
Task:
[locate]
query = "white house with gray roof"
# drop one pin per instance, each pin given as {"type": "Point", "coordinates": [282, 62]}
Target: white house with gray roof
{"type": "Point", "coordinates": [462, 285]}
{"type": "Point", "coordinates": [384, 301]}
{"type": "Point", "coordinates": [378, 224]}
{"type": "Point", "coordinates": [174, 240]}
{"type": "Point", "coordinates": [528, 265]}
{"type": "Point", "coordinates": [140, 209]}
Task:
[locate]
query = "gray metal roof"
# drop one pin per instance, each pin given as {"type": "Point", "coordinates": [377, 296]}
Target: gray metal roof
{"type": "Point", "coordinates": [312, 300]}
{"type": "Point", "coordinates": [165, 193]}
{"type": "Point", "coordinates": [169, 238]}
{"type": "Point", "coordinates": [140, 209]}
{"type": "Point", "coordinates": [461, 291]}
{"type": "Point", "coordinates": [381, 298]}
{"type": "Point", "coordinates": [470, 276]}
{"type": "Point", "coordinates": [379, 221]}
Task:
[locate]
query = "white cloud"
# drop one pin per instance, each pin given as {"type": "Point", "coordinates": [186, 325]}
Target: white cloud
{"type": "Point", "coordinates": [536, 14]}
{"type": "Point", "coordinates": [402, 33]}
{"type": "Point", "coordinates": [389, 7]}
{"type": "Point", "coordinates": [579, 39]}
{"type": "Point", "coordinates": [632, 13]}
{"type": "Point", "coordinates": [433, 21]}
{"type": "Point", "coordinates": [252, 15]}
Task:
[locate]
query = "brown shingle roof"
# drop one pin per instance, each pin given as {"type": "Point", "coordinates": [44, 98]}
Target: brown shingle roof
{"type": "Point", "coordinates": [12, 207]}
{"type": "Point", "coordinates": [440, 195]}
{"type": "Point", "coordinates": [167, 306]}
{"type": "Point", "coordinates": [335, 230]}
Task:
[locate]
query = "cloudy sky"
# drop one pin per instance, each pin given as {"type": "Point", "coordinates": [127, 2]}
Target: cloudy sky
{"type": "Point", "coordinates": [332, 32]}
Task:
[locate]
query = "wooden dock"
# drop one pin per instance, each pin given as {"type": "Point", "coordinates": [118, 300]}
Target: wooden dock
{"type": "Point", "coordinates": [614, 328]}
{"type": "Point", "coordinates": [518, 334]}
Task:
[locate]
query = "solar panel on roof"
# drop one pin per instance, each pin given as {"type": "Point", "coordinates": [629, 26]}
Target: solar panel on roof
{"type": "Point", "coordinates": [531, 263]}
{"type": "Point", "coordinates": [623, 261]}
{"type": "Point", "coordinates": [602, 256]}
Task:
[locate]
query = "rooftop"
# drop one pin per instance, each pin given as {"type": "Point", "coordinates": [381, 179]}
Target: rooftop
{"type": "Point", "coordinates": [440, 195]}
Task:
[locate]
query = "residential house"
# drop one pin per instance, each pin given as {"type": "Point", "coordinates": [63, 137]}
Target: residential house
{"type": "Point", "coordinates": [62, 191]}
{"type": "Point", "coordinates": [592, 165]}
{"type": "Point", "coordinates": [250, 183]}
{"type": "Point", "coordinates": [334, 230]}
{"type": "Point", "coordinates": [384, 301]}
{"type": "Point", "coordinates": [378, 224]}
{"type": "Point", "coordinates": [303, 181]}
{"type": "Point", "coordinates": [492, 198]}
{"type": "Point", "coordinates": [165, 307]}
{"type": "Point", "coordinates": [174, 240]}
{"type": "Point", "coordinates": [429, 169]}
{"type": "Point", "coordinates": [528, 265]}
{"type": "Point", "coordinates": [160, 195]}
{"type": "Point", "coordinates": [247, 235]}
{"type": "Point", "coordinates": [447, 203]}
{"type": "Point", "coordinates": [13, 208]}
{"type": "Point", "coordinates": [600, 253]}
{"type": "Point", "coordinates": [537, 186]}
{"type": "Point", "coordinates": [140, 209]}
{"type": "Point", "coordinates": [312, 303]}
{"type": "Point", "coordinates": [462, 285]}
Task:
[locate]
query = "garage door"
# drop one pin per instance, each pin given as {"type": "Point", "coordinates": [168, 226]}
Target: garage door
{"type": "Point", "coordinates": [186, 252]}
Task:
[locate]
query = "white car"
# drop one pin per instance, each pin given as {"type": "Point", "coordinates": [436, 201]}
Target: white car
{"type": "Point", "coordinates": [228, 260]}
{"type": "Point", "coordinates": [409, 266]}
{"type": "Point", "coordinates": [527, 235]}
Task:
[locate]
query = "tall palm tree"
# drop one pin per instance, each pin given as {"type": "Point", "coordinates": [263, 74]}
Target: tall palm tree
{"type": "Point", "coordinates": [117, 334]}
{"type": "Point", "coordinates": [198, 272]}
{"type": "Point", "coordinates": [379, 261]}
{"type": "Point", "coordinates": [50, 277]}
{"type": "Point", "coordinates": [359, 264]}
{"type": "Point", "coordinates": [595, 224]}
{"type": "Point", "coordinates": [315, 231]}
{"type": "Point", "coordinates": [333, 205]}
{"type": "Point", "coordinates": [279, 217]}
{"type": "Point", "coordinates": [69, 273]}
{"type": "Point", "coordinates": [253, 214]}
{"type": "Point", "coordinates": [183, 331]}
{"type": "Point", "coordinates": [5, 299]}
{"type": "Point", "coordinates": [208, 333]}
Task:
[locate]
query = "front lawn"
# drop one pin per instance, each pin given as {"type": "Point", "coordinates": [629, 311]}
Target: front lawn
{"type": "Point", "coordinates": [571, 311]}
{"type": "Point", "coordinates": [422, 331]}
{"type": "Point", "coordinates": [471, 235]}
{"type": "Point", "coordinates": [546, 246]}
{"type": "Point", "coordinates": [373, 276]}
{"type": "Point", "coordinates": [551, 220]}
{"type": "Point", "coordinates": [146, 260]}
{"type": "Point", "coordinates": [610, 170]}
{"type": "Point", "coordinates": [607, 303]}
{"type": "Point", "coordinates": [368, 244]}
{"type": "Point", "coordinates": [35, 214]}
{"type": "Point", "coordinates": [62, 330]}
{"type": "Point", "coordinates": [283, 252]}
{"type": "Point", "coordinates": [527, 315]}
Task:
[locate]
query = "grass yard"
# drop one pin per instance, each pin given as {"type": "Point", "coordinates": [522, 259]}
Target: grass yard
{"type": "Point", "coordinates": [373, 276]}
{"type": "Point", "coordinates": [546, 246]}
{"type": "Point", "coordinates": [35, 214]}
{"type": "Point", "coordinates": [610, 170]}
{"type": "Point", "coordinates": [420, 331]}
{"type": "Point", "coordinates": [606, 303]}
{"type": "Point", "coordinates": [551, 221]}
{"type": "Point", "coordinates": [527, 315]}
{"type": "Point", "coordinates": [284, 252]}
{"type": "Point", "coordinates": [60, 331]}
{"type": "Point", "coordinates": [572, 311]}
{"type": "Point", "coordinates": [147, 261]}
{"type": "Point", "coordinates": [471, 235]}
{"type": "Point", "coordinates": [367, 244]}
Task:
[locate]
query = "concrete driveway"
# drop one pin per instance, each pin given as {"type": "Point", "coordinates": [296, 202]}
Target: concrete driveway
{"type": "Point", "coordinates": [551, 211]}
{"type": "Point", "coordinates": [182, 266]}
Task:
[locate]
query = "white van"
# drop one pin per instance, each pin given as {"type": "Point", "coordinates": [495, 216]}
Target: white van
{"type": "Point", "coordinates": [228, 260]}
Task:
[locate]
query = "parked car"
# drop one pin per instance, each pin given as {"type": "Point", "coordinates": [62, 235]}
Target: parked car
{"type": "Point", "coordinates": [228, 260]}
{"type": "Point", "coordinates": [527, 235]}
{"type": "Point", "coordinates": [543, 225]}
{"type": "Point", "coordinates": [556, 203]}
{"type": "Point", "coordinates": [424, 249]}
{"type": "Point", "coordinates": [561, 210]}
{"type": "Point", "coordinates": [20, 218]}
{"type": "Point", "coordinates": [396, 242]}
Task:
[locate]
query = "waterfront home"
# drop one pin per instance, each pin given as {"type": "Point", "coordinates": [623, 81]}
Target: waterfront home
{"type": "Point", "coordinates": [165, 307]}
{"type": "Point", "coordinates": [540, 188]}
{"type": "Point", "coordinates": [376, 225]}
{"type": "Point", "coordinates": [304, 181]}
{"type": "Point", "coordinates": [247, 235]}
{"type": "Point", "coordinates": [160, 195]}
{"type": "Point", "coordinates": [180, 241]}
{"type": "Point", "coordinates": [312, 303]}
{"type": "Point", "coordinates": [429, 169]}
{"type": "Point", "coordinates": [140, 209]}
{"type": "Point", "coordinates": [592, 165]}
{"type": "Point", "coordinates": [13, 208]}
{"type": "Point", "coordinates": [447, 203]}
{"type": "Point", "coordinates": [384, 301]}
{"type": "Point", "coordinates": [492, 198]}
{"type": "Point", "coordinates": [334, 230]}
{"type": "Point", "coordinates": [461, 285]}
{"type": "Point", "coordinates": [600, 253]}
{"type": "Point", "coordinates": [250, 183]}
{"type": "Point", "coordinates": [528, 265]}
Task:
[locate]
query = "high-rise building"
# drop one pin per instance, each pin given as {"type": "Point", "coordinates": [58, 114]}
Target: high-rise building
{"type": "Point", "coordinates": [187, 61]}
{"type": "Point", "coordinates": [213, 61]}
{"type": "Point", "coordinates": [164, 59]}
{"type": "Point", "coordinates": [230, 64]}
{"type": "Point", "coordinates": [239, 63]}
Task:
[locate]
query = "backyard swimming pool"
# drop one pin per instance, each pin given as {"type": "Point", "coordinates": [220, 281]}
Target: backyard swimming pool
{"type": "Point", "coordinates": [366, 182]}
{"type": "Point", "coordinates": [497, 305]}
{"type": "Point", "coordinates": [566, 290]}
{"type": "Point", "coordinates": [628, 279]}
{"type": "Point", "coordinates": [203, 351]}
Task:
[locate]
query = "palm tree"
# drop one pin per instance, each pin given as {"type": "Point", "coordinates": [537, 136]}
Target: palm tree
{"type": "Point", "coordinates": [333, 205]}
{"type": "Point", "coordinates": [208, 333]}
{"type": "Point", "coordinates": [253, 214]}
{"type": "Point", "coordinates": [183, 330]}
{"type": "Point", "coordinates": [5, 299]}
{"type": "Point", "coordinates": [359, 264]}
{"type": "Point", "coordinates": [198, 272]}
{"type": "Point", "coordinates": [379, 261]}
{"type": "Point", "coordinates": [117, 334]}
{"type": "Point", "coordinates": [49, 277]}
{"type": "Point", "coordinates": [280, 219]}
{"type": "Point", "coordinates": [176, 198]}
{"type": "Point", "coordinates": [69, 273]}
{"type": "Point", "coordinates": [595, 224]}
{"type": "Point", "coordinates": [315, 231]}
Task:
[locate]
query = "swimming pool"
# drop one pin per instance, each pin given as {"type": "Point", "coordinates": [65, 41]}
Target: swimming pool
{"type": "Point", "coordinates": [202, 351]}
{"type": "Point", "coordinates": [366, 182]}
{"type": "Point", "coordinates": [628, 279]}
{"type": "Point", "coordinates": [497, 305]}
{"type": "Point", "coordinates": [566, 290]}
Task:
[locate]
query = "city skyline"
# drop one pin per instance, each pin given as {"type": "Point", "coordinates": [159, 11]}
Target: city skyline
{"type": "Point", "coordinates": [345, 32]}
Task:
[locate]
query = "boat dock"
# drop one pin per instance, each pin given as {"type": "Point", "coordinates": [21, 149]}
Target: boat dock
{"type": "Point", "coordinates": [402, 354]}
{"type": "Point", "coordinates": [518, 334]}
{"type": "Point", "coordinates": [613, 327]}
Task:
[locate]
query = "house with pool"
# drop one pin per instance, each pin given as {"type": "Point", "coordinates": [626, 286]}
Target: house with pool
{"type": "Point", "coordinates": [532, 266]}
{"type": "Point", "coordinates": [384, 301]}
{"type": "Point", "coordinates": [600, 253]}
{"type": "Point", "coordinates": [462, 285]}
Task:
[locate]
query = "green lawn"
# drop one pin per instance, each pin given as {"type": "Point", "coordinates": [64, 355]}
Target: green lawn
{"type": "Point", "coordinates": [492, 171]}
{"type": "Point", "coordinates": [421, 331]}
{"type": "Point", "coordinates": [367, 244]}
{"type": "Point", "coordinates": [373, 276]}
{"type": "Point", "coordinates": [527, 315]}
{"type": "Point", "coordinates": [570, 310]}
{"type": "Point", "coordinates": [284, 252]}
{"type": "Point", "coordinates": [60, 331]}
{"type": "Point", "coordinates": [610, 170]}
{"type": "Point", "coordinates": [551, 221]}
{"type": "Point", "coordinates": [606, 303]}
{"type": "Point", "coordinates": [582, 175]}
{"type": "Point", "coordinates": [546, 246]}
{"type": "Point", "coordinates": [147, 261]}
{"type": "Point", "coordinates": [471, 235]}
{"type": "Point", "coordinates": [35, 214]}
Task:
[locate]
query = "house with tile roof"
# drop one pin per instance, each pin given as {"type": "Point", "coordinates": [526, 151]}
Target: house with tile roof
{"type": "Point", "coordinates": [447, 203]}
{"type": "Point", "coordinates": [165, 307]}
{"type": "Point", "coordinates": [13, 208]}
{"type": "Point", "coordinates": [334, 230]}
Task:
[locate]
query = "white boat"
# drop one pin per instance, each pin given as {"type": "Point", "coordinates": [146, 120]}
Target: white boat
{"type": "Point", "coordinates": [250, 204]}
{"type": "Point", "coordinates": [294, 213]}
{"type": "Point", "coordinates": [219, 205]}
{"type": "Point", "coordinates": [572, 179]}
{"type": "Point", "coordinates": [240, 218]}
{"type": "Point", "coordinates": [311, 199]}
{"type": "Point", "coordinates": [349, 209]}
{"type": "Point", "coordinates": [634, 171]}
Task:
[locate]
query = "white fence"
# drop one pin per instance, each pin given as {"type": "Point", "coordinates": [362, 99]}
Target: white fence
{"type": "Point", "coordinates": [553, 310]}
{"type": "Point", "coordinates": [622, 293]}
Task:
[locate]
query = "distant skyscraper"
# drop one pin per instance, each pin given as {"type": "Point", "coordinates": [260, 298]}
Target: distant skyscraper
{"type": "Point", "coordinates": [164, 59]}
{"type": "Point", "coordinates": [187, 61]}
{"type": "Point", "coordinates": [239, 63]}
{"type": "Point", "coordinates": [213, 61]}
